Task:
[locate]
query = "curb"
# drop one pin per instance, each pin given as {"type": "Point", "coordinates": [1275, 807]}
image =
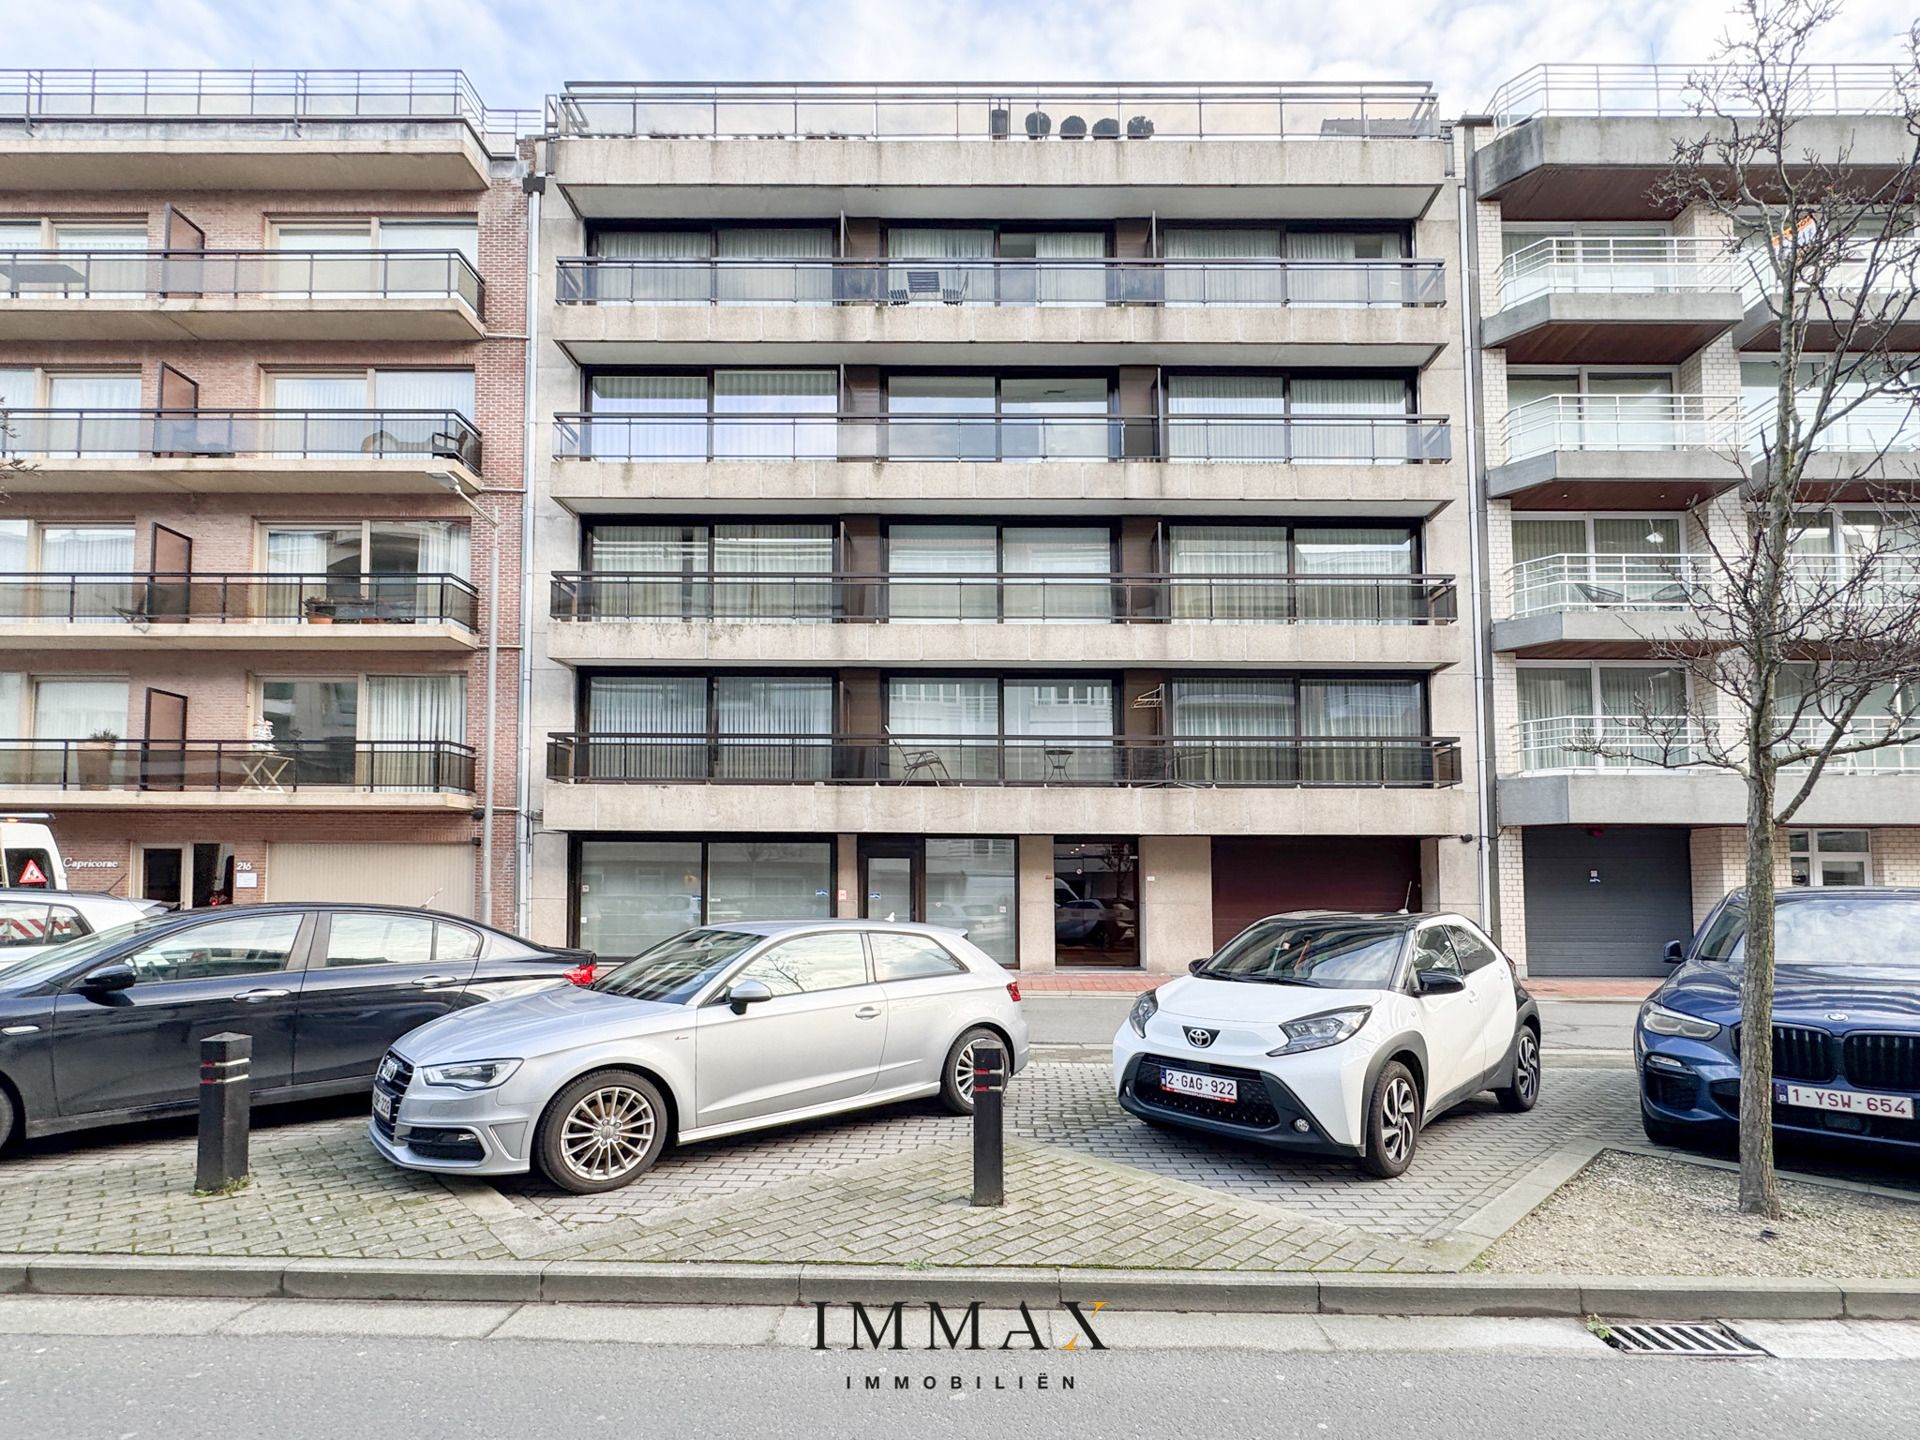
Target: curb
{"type": "Point", "coordinates": [1284, 1292]}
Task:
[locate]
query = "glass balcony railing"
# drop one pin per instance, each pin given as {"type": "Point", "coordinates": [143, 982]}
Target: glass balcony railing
{"type": "Point", "coordinates": [1300, 284]}
{"type": "Point", "coordinates": [1359, 761]}
{"type": "Point", "coordinates": [1605, 743]}
{"type": "Point", "coordinates": [1006, 599]}
{"type": "Point", "coordinates": [1881, 424]}
{"type": "Point", "coordinates": [1620, 265]}
{"type": "Point", "coordinates": [1333, 439]}
{"type": "Point", "coordinates": [444, 435]}
{"type": "Point", "coordinates": [236, 599]}
{"type": "Point", "coordinates": [1559, 583]}
{"type": "Point", "coordinates": [238, 766]}
{"type": "Point", "coordinates": [1622, 422]}
{"type": "Point", "coordinates": [84, 275]}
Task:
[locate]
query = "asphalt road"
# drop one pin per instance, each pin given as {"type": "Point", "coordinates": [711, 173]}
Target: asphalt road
{"type": "Point", "coordinates": [307, 1386]}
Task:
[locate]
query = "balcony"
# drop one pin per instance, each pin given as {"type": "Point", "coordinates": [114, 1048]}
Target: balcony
{"type": "Point", "coordinates": [1228, 621]}
{"type": "Point", "coordinates": [991, 147]}
{"type": "Point", "coordinates": [239, 774]}
{"type": "Point", "coordinates": [1868, 441]}
{"type": "Point", "coordinates": [68, 452]}
{"type": "Point", "coordinates": [1602, 300]}
{"type": "Point", "coordinates": [1617, 452]}
{"type": "Point", "coordinates": [1562, 781]}
{"type": "Point", "coordinates": [162, 295]}
{"type": "Point", "coordinates": [203, 612]}
{"type": "Point", "coordinates": [1599, 605]}
{"type": "Point", "coordinates": [250, 129]}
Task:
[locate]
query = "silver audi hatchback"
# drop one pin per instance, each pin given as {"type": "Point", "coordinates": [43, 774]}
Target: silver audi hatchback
{"type": "Point", "coordinates": [718, 1030]}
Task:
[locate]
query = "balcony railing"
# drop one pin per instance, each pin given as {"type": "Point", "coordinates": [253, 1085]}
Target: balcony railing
{"type": "Point", "coordinates": [52, 96]}
{"type": "Point", "coordinates": [1007, 599]}
{"type": "Point", "coordinates": [1400, 761]}
{"type": "Point", "coordinates": [249, 274]}
{"type": "Point", "coordinates": [1571, 89]}
{"type": "Point", "coordinates": [1869, 427]}
{"type": "Point", "coordinates": [242, 434]}
{"type": "Point", "coordinates": [236, 599]}
{"type": "Point", "coordinates": [239, 766]}
{"type": "Point", "coordinates": [1622, 422]}
{"type": "Point", "coordinates": [1252, 439]}
{"type": "Point", "coordinates": [608, 280]}
{"type": "Point", "coordinates": [1620, 265]}
{"type": "Point", "coordinates": [1574, 742]}
{"type": "Point", "coordinates": [1554, 583]}
{"type": "Point", "coordinates": [990, 110]}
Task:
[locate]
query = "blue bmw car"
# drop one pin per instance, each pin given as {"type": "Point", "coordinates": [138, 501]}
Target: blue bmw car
{"type": "Point", "coordinates": [1846, 1023]}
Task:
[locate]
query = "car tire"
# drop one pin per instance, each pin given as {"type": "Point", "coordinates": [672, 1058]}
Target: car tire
{"type": "Point", "coordinates": [1662, 1132]}
{"type": "Point", "coordinates": [1393, 1122]}
{"type": "Point", "coordinates": [956, 1076]}
{"type": "Point", "coordinates": [8, 1118]}
{"type": "Point", "coordinates": [1524, 1093]}
{"type": "Point", "coordinates": [603, 1131]}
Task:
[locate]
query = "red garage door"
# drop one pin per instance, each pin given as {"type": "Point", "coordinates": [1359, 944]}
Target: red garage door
{"type": "Point", "coordinates": [1258, 877]}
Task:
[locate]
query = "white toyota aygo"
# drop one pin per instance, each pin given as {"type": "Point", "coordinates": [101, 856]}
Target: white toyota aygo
{"type": "Point", "coordinates": [1333, 1033]}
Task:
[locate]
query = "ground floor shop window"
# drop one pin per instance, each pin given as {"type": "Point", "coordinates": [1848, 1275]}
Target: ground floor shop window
{"type": "Point", "coordinates": [966, 883]}
{"type": "Point", "coordinates": [635, 893]}
{"type": "Point", "coordinates": [1096, 902]}
{"type": "Point", "coordinates": [1830, 857]}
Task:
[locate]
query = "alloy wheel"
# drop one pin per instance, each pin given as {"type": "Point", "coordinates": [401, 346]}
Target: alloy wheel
{"type": "Point", "coordinates": [963, 1071]}
{"type": "Point", "coordinates": [1396, 1120]}
{"type": "Point", "coordinates": [1526, 1067]}
{"type": "Point", "coordinates": [608, 1133]}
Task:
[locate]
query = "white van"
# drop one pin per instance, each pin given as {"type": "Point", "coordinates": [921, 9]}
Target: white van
{"type": "Point", "coordinates": [31, 855]}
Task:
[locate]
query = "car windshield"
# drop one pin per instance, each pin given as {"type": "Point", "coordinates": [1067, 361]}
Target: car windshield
{"type": "Point", "coordinates": [1836, 931]}
{"type": "Point", "coordinates": [1333, 954]}
{"type": "Point", "coordinates": [45, 964]}
{"type": "Point", "coordinates": [675, 970]}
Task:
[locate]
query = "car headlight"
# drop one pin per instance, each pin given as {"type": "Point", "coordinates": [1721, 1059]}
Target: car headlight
{"type": "Point", "coordinates": [1317, 1032]}
{"type": "Point", "coordinates": [1144, 1009]}
{"type": "Point", "coordinates": [1662, 1021]}
{"type": "Point", "coordinates": [471, 1074]}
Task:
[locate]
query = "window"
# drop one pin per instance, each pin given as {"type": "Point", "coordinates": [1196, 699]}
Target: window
{"type": "Point", "coordinates": [455, 944]}
{"type": "Point", "coordinates": [785, 414]}
{"type": "Point", "coordinates": [72, 709]}
{"type": "Point", "coordinates": [336, 256]}
{"type": "Point", "coordinates": [417, 412]}
{"type": "Point", "coordinates": [987, 417]}
{"type": "Point", "coordinates": [736, 727]}
{"type": "Point", "coordinates": [985, 574]}
{"type": "Point", "coordinates": [1433, 950]}
{"type": "Point", "coordinates": [1569, 714]}
{"type": "Point", "coordinates": [219, 950]}
{"type": "Point", "coordinates": [1830, 857]}
{"type": "Point", "coordinates": [1343, 419]}
{"type": "Point", "coordinates": [376, 939]}
{"type": "Point", "coordinates": [911, 957]}
{"type": "Point", "coordinates": [26, 923]}
{"type": "Point", "coordinates": [1247, 573]}
{"type": "Point", "coordinates": [810, 963]}
{"type": "Point", "coordinates": [633, 894]}
{"type": "Point", "coordinates": [1473, 952]}
{"type": "Point", "coordinates": [986, 728]}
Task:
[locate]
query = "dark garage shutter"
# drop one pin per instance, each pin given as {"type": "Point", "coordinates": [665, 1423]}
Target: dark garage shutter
{"type": "Point", "coordinates": [1619, 926]}
{"type": "Point", "coordinates": [1256, 877]}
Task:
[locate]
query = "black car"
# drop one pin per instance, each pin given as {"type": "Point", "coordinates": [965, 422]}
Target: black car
{"type": "Point", "coordinates": [107, 1029]}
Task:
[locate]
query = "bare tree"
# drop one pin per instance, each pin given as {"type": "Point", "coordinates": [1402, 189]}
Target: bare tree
{"type": "Point", "coordinates": [1797, 664]}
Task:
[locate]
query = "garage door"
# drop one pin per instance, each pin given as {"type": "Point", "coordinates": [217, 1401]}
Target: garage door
{"type": "Point", "coordinates": [1605, 901]}
{"type": "Point", "coordinates": [439, 877]}
{"type": "Point", "coordinates": [1256, 877]}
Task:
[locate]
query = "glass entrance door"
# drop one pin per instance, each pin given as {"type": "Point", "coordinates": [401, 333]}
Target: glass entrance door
{"type": "Point", "coordinates": [890, 882]}
{"type": "Point", "coordinates": [1096, 902]}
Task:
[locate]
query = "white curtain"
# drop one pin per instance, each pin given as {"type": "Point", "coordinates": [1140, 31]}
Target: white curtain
{"type": "Point", "coordinates": [430, 274]}
{"type": "Point", "coordinates": [1070, 266]}
{"type": "Point", "coordinates": [109, 277]}
{"type": "Point", "coordinates": [76, 709]}
{"type": "Point", "coordinates": [1354, 282]}
{"type": "Point", "coordinates": [346, 268]}
{"type": "Point", "coordinates": [654, 706]}
{"type": "Point", "coordinates": [799, 269]}
{"type": "Point", "coordinates": [95, 434]}
{"type": "Point", "coordinates": [1211, 553]}
{"type": "Point", "coordinates": [1244, 720]}
{"type": "Point", "coordinates": [1260, 437]}
{"type": "Point", "coordinates": [1058, 553]}
{"type": "Point", "coordinates": [793, 719]}
{"type": "Point", "coordinates": [420, 709]}
{"type": "Point", "coordinates": [643, 284]}
{"type": "Point", "coordinates": [102, 557]}
{"type": "Point", "coordinates": [941, 558]}
{"type": "Point", "coordinates": [782, 553]}
{"type": "Point", "coordinates": [793, 412]}
{"type": "Point", "coordinates": [1362, 443]}
{"type": "Point", "coordinates": [304, 434]}
{"type": "Point", "coordinates": [13, 693]}
{"type": "Point", "coordinates": [1193, 281]}
{"type": "Point", "coordinates": [446, 547]}
{"type": "Point", "coordinates": [653, 432]}
{"type": "Point", "coordinates": [1326, 550]}
{"type": "Point", "coordinates": [1556, 708]}
{"type": "Point", "coordinates": [303, 553]}
{"type": "Point", "coordinates": [18, 590]}
{"type": "Point", "coordinates": [1364, 710]}
{"type": "Point", "coordinates": [959, 281]}
{"type": "Point", "coordinates": [434, 394]}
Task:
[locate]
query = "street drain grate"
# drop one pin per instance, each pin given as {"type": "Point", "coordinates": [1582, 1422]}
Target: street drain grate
{"type": "Point", "coordinates": [1698, 1342]}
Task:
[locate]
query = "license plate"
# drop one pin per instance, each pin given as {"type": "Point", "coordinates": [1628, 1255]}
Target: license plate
{"type": "Point", "coordinates": [383, 1106]}
{"type": "Point", "coordinates": [1207, 1087]}
{"type": "Point", "coordinates": [1844, 1102]}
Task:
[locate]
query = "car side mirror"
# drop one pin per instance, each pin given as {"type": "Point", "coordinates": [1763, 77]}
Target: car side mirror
{"type": "Point", "coordinates": [107, 978]}
{"type": "Point", "coordinates": [1675, 952]}
{"type": "Point", "coordinates": [747, 992]}
{"type": "Point", "coordinates": [1194, 967]}
{"type": "Point", "coordinates": [1441, 982]}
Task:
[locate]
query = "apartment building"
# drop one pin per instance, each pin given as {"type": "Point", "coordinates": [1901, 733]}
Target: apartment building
{"type": "Point", "coordinates": [1038, 512]}
{"type": "Point", "coordinates": [1616, 339]}
{"type": "Point", "coordinates": [262, 379]}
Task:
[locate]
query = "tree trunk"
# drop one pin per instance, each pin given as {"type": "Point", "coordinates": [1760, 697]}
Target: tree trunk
{"type": "Point", "coordinates": [1759, 1195]}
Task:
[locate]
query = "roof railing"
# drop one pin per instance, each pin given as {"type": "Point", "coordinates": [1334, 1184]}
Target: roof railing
{"type": "Point", "coordinates": [1871, 88]}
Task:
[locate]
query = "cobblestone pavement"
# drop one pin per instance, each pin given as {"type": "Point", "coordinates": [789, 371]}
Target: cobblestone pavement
{"type": "Point", "coordinates": [1090, 1185]}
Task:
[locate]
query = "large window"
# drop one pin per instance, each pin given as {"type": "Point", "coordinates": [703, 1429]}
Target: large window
{"type": "Point", "coordinates": [382, 569]}
{"type": "Point", "coordinates": [727, 727]}
{"type": "Point", "coordinates": [1601, 716]}
{"type": "Point", "coordinates": [1830, 857]}
{"type": "Point", "coordinates": [948, 573]}
{"type": "Point", "coordinates": [784, 414]}
{"type": "Point", "coordinates": [635, 893]}
{"type": "Point", "coordinates": [1340, 419]}
{"type": "Point", "coordinates": [672, 572]}
{"type": "Point", "coordinates": [345, 264]}
{"type": "Point", "coordinates": [990, 728]}
{"type": "Point", "coordinates": [417, 408]}
{"type": "Point", "coordinates": [96, 413]}
{"type": "Point", "coordinates": [1280, 573]}
{"type": "Point", "coordinates": [987, 417]}
{"type": "Point", "coordinates": [1314, 730]}
{"type": "Point", "coordinates": [797, 266]}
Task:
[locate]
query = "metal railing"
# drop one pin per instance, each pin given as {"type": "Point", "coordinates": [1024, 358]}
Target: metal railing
{"type": "Point", "coordinates": [1622, 422]}
{"type": "Point", "coordinates": [1006, 599]}
{"type": "Point", "coordinates": [1573, 742]}
{"type": "Point", "coordinates": [1574, 89]}
{"type": "Point", "coordinates": [445, 435]}
{"type": "Point", "coordinates": [1883, 423]}
{"type": "Point", "coordinates": [1617, 265]}
{"type": "Point", "coordinates": [1555, 583]}
{"type": "Point", "coordinates": [247, 766]}
{"type": "Point", "coordinates": [269, 274]}
{"type": "Point", "coordinates": [989, 110]}
{"type": "Point", "coordinates": [230, 599]}
{"type": "Point", "coordinates": [1251, 439]}
{"type": "Point", "coordinates": [1399, 761]}
{"type": "Point", "coordinates": [615, 280]}
{"type": "Point", "coordinates": [52, 96]}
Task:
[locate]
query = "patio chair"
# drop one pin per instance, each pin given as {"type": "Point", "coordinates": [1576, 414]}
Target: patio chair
{"type": "Point", "coordinates": [923, 765]}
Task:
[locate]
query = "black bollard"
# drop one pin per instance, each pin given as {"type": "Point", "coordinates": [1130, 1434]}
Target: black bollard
{"type": "Point", "coordinates": [226, 1077]}
{"type": "Point", "coordinates": [989, 1097]}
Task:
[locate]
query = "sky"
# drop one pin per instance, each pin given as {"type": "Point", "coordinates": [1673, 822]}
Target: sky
{"type": "Point", "coordinates": [516, 51]}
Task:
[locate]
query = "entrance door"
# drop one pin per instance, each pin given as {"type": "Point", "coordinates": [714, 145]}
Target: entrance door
{"type": "Point", "coordinates": [890, 882]}
{"type": "Point", "coordinates": [163, 872]}
{"type": "Point", "coordinates": [1096, 902]}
